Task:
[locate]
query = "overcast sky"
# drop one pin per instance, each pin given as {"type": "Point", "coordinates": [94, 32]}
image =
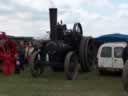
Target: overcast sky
{"type": "Point", "coordinates": [31, 18]}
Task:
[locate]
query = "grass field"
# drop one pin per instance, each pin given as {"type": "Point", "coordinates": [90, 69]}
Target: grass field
{"type": "Point", "coordinates": [55, 84]}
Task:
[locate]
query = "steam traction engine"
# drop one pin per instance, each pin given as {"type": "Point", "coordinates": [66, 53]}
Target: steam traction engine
{"type": "Point", "coordinates": [66, 49]}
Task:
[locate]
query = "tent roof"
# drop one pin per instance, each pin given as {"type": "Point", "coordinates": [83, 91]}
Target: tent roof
{"type": "Point", "coordinates": [112, 38]}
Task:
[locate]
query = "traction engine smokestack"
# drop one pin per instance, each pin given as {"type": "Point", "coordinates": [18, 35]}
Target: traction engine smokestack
{"type": "Point", "coordinates": [53, 23]}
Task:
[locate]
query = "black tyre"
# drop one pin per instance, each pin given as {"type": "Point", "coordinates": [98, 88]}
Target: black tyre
{"type": "Point", "coordinates": [71, 66]}
{"type": "Point", "coordinates": [36, 66]}
{"type": "Point", "coordinates": [81, 53]}
{"type": "Point", "coordinates": [87, 54]}
{"type": "Point", "coordinates": [101, 71]}
{"type": "Point", "coordinates": [125, 76]}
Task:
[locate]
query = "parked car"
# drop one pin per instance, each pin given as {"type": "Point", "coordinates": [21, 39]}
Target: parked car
{"type": "Point", "coordinates": [109, 56]}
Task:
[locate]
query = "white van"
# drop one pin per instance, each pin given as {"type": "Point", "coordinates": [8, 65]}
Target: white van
{"type": "Point", "coordinates": [110, 56]}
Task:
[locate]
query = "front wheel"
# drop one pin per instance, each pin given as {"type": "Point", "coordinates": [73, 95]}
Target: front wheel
{"type": "Point", "coordinates": [71, 66]}
{"type": "Point", "coordinates": [36, 66]}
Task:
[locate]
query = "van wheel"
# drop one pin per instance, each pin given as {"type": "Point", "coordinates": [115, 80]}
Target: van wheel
{"type": "Point", "coordinates": [125, 76]}
{"type": "Point", "coordinates": [101, 71]}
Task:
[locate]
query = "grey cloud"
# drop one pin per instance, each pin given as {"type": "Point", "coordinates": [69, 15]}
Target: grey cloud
{"type": "Point", "coordinates": [37, 20]}
{"type": "Point", "coordinates": [37, 16]}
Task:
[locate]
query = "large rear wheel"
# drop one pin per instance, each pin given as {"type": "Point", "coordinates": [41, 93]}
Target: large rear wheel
{"type": "Point", "coordinates": [87, 53]}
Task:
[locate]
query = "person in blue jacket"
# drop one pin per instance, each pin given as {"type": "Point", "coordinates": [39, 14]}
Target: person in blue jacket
{"type": "Point", "coordinates": [21, 53]}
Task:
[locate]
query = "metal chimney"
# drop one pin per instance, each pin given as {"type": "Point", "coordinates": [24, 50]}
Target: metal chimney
{"type": "Point", "coordinates": [53, 23]}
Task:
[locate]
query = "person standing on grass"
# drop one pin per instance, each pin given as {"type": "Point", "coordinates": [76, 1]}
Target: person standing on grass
{"type": "Point", "coordinates": [125, 54]}
{"type": "Point", "coordinates": [30, 50]}
{"type": "Point", "coordinates": [26, 52]}
{"type": "Point", "coordinates": [17, 64]}
{"type": "Point", "coordinates": [21, 54]}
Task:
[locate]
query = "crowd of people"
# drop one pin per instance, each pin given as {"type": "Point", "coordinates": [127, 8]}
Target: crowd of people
{"type": "Point", "coordinates": [24, 50]}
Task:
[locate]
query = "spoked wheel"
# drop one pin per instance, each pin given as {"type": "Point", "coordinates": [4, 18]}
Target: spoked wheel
{"type": "Point", "coordinates": [36, 66]}
{"type": "Point", "coordinates": [71, 66]}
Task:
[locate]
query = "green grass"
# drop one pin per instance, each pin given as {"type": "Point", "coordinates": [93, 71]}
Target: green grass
{"type": "Point", "coordinates": [55, 84]}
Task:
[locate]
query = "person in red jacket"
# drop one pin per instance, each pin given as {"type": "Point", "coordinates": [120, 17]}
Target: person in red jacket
{"type": "Point", "coordinates": [7, 54]}
{"type": "Point", "coordinates": [8, 65]}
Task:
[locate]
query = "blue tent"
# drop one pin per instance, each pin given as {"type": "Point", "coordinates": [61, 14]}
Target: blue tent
{"type": "Point", "coordinates": [112, 38]}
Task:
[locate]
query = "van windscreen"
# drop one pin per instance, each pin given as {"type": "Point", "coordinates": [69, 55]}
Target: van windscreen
{"type": "Point", "coordinates": [106, 52]}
